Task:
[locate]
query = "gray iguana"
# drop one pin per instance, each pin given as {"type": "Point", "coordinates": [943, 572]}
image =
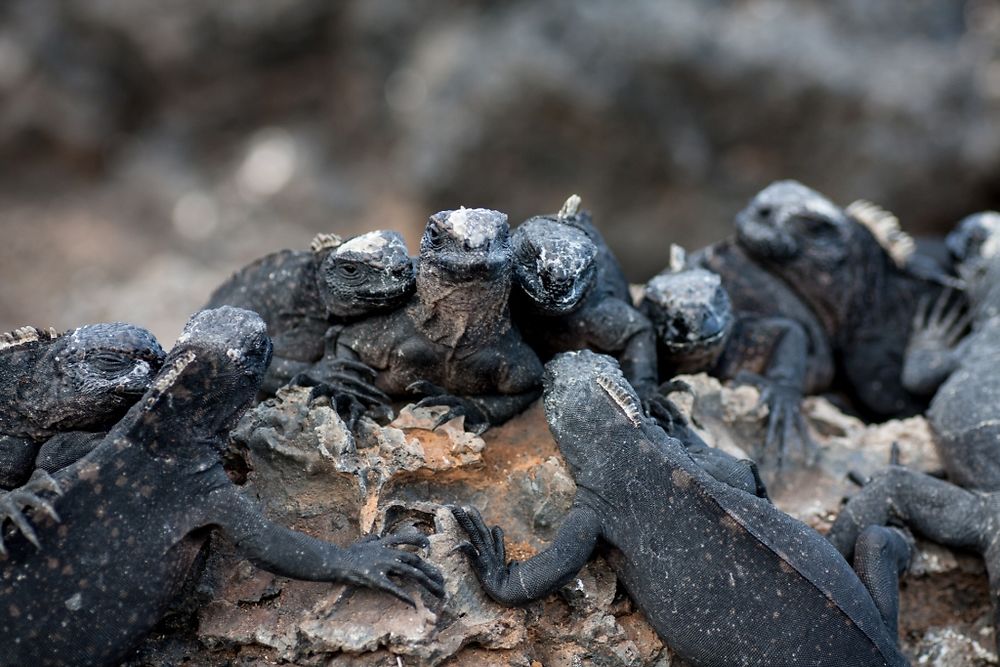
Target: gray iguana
{"type": "Point", "coordinates": [306, 296]}
{"type": "Point", "coordinates": [571, 294]}
{"type": "Point", "coordinates": [723, 577]}
{"type": "Point", "coordinates": [59, 393]}
{"type": "Point", "coordinates": [136, 510]}
{"type": "Point", "coordinates": [698, 330]}
{"type": "Point", "coordinates": [842, 275]}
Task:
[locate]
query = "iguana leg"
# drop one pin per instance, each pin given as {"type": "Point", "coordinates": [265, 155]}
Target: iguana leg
{"type": "Point", "coordinates": [17, 460]}
{"type": "Point", "coordinates": [290, 553]}
{"type": "Point", "coordinates": [520, 582]}
{"type": "Point", "coordinates": [936, 509]}
{"type": "Point", "coordinates": [881, 556]}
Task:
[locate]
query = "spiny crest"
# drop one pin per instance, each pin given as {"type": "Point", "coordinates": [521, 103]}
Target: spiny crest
{"type": "Point", "coordinates": [886, 229]}
{"type": "Point", "coordinates": [678, 258]}
{"type": "Point", "coordinates": [570, 208]}
{"type": "Point", "coordinates": [168, 375]}
{"type": "Point", "coordinates": [323, 242]}
{"type": "Point", "coordinates": [25, 335]}
{"type": "Point", "coordinates": [622, 397]}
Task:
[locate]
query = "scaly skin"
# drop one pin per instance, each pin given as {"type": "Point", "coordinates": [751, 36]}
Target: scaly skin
{"type": "Point", "coordinates": [571, 294]}
{"type": "Point", "coordinates": [835, 266]}
{"type": "Point", "coordinates": [305, 296]}
{"type": "Point", "coordinates": [80, 381]}
{"type": "Point", "coordinates": [724, 577]}
{"type": "Point", "coordinates": [945, 354]}
{"type": "Point", "coordinates": [136, 510]}
{"type": "Point", "coordinates": [698, 331]}
{"type": "Point", "coordinates": [454, 341]}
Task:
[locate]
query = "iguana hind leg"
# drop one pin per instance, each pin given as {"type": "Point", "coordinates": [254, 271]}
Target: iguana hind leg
{"type": "Point", "coordinates": [881, 555]}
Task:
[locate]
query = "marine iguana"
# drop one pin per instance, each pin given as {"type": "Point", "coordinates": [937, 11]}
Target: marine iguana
{"type": "Point", "coordinates": [699, 331]}
{"type": "Point", "coordinates": [573, 295]}
{"type": "Point", "coordinates": [135, 511]}
{"type": "Point", "coordinates": [799, 256]}
{"type": "Point", "coordinates": [454, 341]}
{"type": "Point", "coordinates": [58, 393]}
{"type": "Point", "coordinates": [722, 576]}
{"type": "Point", "coordinates": [963, 512]}
{"type": "Point", "coordinates": [302, 294]}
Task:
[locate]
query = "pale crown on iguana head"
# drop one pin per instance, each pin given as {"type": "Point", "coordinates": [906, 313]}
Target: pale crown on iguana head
{"type": "Point", "coordinates": [369, 273]}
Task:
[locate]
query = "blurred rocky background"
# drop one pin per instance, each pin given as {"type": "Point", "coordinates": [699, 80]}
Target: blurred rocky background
{"type": "Point", "coordinates": [149, 148]}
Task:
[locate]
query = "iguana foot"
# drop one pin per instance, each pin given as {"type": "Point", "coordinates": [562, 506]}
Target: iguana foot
{"type": "Point", "coordinates": [14, 502]}
{"type": "Point", "coordinates": [372, 561]}
{"type": "Point", "coordinates": [485, 549]}
{"type": "Point", "coordinates": [475, 420]}
{"type": "Point", "coordinates": [786, 427]}
{"type": "Point", "coordinates": [344, 383]}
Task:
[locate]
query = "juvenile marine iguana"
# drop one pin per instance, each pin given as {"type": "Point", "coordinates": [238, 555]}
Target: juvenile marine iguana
{"type": "Point", "coordinates": [964, 415]}
{"type": "Point", "coordinates": [723, 577]}
{"type": "Point", "coordinates": [58, 393]}
{"type": "Point", "coordinates": [799, 256]}
{"type": "Point", "coordinates": [135, 511]}
{"type": "Point", "coordinates": [572, 294]}
{"type": "Point", "coordinates": [454, 340]}
{"type": "Point", "coordinates": [699, 331]}
{"type": "Point", "coordinates": [302, 294]}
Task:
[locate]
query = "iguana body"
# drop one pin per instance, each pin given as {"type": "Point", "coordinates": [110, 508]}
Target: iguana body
{"type": "Point", "coordinates": [301, 294]}
{"type": "Point", "coordinates": [454, 339]}
{"type": "Point", "coordinates": [724, 577]}
{"type": "Point", "coordinates": [135, 511]}
{"type": "Point", "coordinates": [571, 294]}
{"type": "Point", "coordinates": [964, 414]}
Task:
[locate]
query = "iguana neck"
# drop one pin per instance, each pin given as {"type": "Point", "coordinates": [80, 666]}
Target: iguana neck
{"type": "Point", "coordinates": [460, 313]}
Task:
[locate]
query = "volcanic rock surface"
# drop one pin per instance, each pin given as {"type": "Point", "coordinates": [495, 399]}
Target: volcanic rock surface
{"type": "Point", "coordinates": [309, 472]}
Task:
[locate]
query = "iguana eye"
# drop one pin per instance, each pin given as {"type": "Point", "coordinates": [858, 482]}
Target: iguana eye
{"type": "Point", "coordinates": [110, 362]}
{"type": "Point", "coordinates": [434, 235]}
{"type": "Point", "coordinates": [349, 270]}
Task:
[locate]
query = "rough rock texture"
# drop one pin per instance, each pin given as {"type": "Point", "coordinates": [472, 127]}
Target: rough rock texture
{"type": "Point", "coordinates": [313, 476]}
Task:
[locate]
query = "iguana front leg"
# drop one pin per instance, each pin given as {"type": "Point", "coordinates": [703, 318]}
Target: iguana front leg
{"type": "Point", "coordinates": [17, 460]}
{"type": "Point", "coordinates": [289, 553]}
{"type": "Point", "coordinates": [935, 347]}
{"type": "Point", "coordinates": [520, 582]}
{"type": "Point", "coordinates": [480, 412]}
{"type": "Point", "coordinates": [14, 502]}
{"type": "Point", "coordinates": [781, 384]}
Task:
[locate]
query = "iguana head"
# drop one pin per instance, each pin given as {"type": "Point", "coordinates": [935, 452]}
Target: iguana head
{"type": "Point", "coordinates": [469, 244]}
{"type": "Point", "coordinates": [554, 264]}
{"type": "Point", "coordinates": [786, 222]}
{"type": "Point", "coordinates": [88, 377]}
{"type": "Point", "coordinates": [692, 314]}
{"type": "Point", "coordinates": [591, 409]}
{"type": "Point", "coordinates": [367, 274]}
{"type": "Point", "coordinates": [975, 236]}
{"type": "Point", "coordinates": [210, 377]}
